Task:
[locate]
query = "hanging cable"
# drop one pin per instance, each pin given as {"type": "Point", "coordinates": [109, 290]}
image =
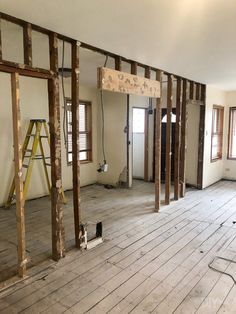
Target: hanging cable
{"type": "Point", "coordinates": [103, 166]}
{"type": "Point", "coordinates": [63, 93]}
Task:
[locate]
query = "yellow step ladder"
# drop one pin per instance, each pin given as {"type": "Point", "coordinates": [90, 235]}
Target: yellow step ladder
{"type": "Point", "coordinates": [30, 155]}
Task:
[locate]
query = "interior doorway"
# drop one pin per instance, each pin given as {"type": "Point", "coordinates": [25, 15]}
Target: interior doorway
{"type": "Point", "coordinates": [140, 143]}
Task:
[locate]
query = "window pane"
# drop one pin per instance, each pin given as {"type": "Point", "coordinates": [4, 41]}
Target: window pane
{"type": "Point", "coordinates": [217, 132]}
{"type": "Point", "coordinates": [83, 155]}
{"type": "Point", "coordinates": [82, 118]}
{"type": "Point", "coordinates": [138, 120]}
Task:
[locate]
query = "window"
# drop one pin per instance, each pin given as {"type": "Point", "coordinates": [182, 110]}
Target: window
{"type": "Point", "coordinates": [217, 132]}
{"type": "Point", "coordinates": [85, 131]}
{"type": "Point", "coordinates": [138, 120]}
{"type": "Point", "coordinates": [232, 134]}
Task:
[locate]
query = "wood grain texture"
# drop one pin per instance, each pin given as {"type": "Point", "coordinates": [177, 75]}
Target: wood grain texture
{"type": "Point", "coordinates": [17, 137]}
{"type": "Point", "coordinates": [183, 140]}
{"type": "Point", "coordinates": [116, 81]}
{"type": "Point", "coordinates": [0, 37]}
{"type": "Point", "coordinates": [177, 139]}
{"type": "Point", "coordinates": [75, 140]}
{"type": "Point", "coordinates": [27, 35]}
{"type": "Point", "coordinates": [157, 157]}
{"type": "Point", "coordinates": [58, 233]}
{"type": "Point", "coordinates": [168, 139]}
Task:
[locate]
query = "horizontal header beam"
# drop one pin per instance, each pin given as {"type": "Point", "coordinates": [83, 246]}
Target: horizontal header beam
{"type": "Point", "coordinates": [122, 82]}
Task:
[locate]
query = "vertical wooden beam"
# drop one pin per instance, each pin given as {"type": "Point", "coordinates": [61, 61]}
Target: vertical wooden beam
{"type": "Point", "coordinates": [134, 68]}
{"type": "Point", "coordinates": [0, 38]}
{"type": "Point", "coordinates": [201, 138]}
{"type": "Point", "coordinates": [191, 90]}
{"type": "Point", "coordinates": [197, 91]}
{"type": "Point", "coordinates": [183, 139]}
{"type": "Point", "coordinates": [75, 139]}
{"type": "Point", "coordinates": [168, 141]}
{"type": "Point", "coordinates": [146, 145]}
{"type": "Point", "coordinates": [118, 62]}
{"type": "Point", "coordinates": [27, 35]}
{"type": "Point", "coordinates": [128, 138]}
{"type": "Point", "coordinates": [177, 139]}
{"type": "Point", "coordinates": [147, 72]}
{"type": "Point", "coordinates": [17, 137]}
{"type": "Point", "coordinates": [58, 234]}
{"type": "Point", "coordinates": [158, 148]}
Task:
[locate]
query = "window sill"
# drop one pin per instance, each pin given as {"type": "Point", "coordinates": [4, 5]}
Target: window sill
{"type": "Point", "coordinates": [81, 162]}
{"type": "Point", "coordinates": [216, 159]}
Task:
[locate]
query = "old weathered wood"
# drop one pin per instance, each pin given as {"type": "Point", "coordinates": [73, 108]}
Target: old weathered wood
{"type": "Point", "coordinates": [168, 141]}
{"type": "Point", "coordinates": [17, 137]}
{"type": "Point", "coordinates": [0, 37]}
{"type": "Point", "coordinates": [191, 90]}
{"type": "Point", "coordinates": [116, 81]}
{"type": "Point", "coordinates": [118, 62]}
{"type": "Point", "coordinates": [146, 146]}
{"type": "Point", "coordinates": [177, 139]}
{"type": "Point", "coordinates": [134, 68]}
{"type": "Point", "coordinates": [197, 91]}
{"type": "Point", "coordinates": [11, 67]}
{"type": "Point", "coordinates": [58, 234]}
{"type": "Point", "coordinates": [27, 34]}
{"type": "Point", "coordinates": [157, 158]}
{"type": "Point", "coordinates": [183, 140]}
{"type": "Point", "coordinates": [147, 72]}
{"type": "Point", "coordinates": [201, 139]}
{"type": "Point", "coordinates": [75, 140]}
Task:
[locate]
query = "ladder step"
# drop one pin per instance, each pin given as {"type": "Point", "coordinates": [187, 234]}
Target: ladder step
{"type": "Point", "coordinates": [28, 150]}
{"type": "Point", "coordinates": [41, 157]}
{"type": "Point", "coordinates": [49, 165]}
{"type": "Point", "coordinates": [43, 136]}
{"type": "Point", "coordinates": [29, 135]}
{"type": "Point", "coordinates": [25, 166]}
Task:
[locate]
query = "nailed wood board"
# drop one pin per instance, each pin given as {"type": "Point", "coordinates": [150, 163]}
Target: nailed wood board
{"type": "Point", "coordinates": [116, 81]}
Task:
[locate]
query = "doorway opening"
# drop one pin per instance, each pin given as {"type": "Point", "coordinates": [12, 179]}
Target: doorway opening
{"type": "Point", "coordinates": [140, 143]}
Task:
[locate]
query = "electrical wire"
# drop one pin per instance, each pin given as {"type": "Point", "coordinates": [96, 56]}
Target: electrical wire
{"type": "Point", "coordinates": [63, 93]}
{"type": "Point", "coordinates": [221, 271]}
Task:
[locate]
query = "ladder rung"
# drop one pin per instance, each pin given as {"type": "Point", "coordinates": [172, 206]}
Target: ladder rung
{"type": "Point", "coordinates": [29, 135]}
{"type": "Point", "coordinates": [25, 166]}
{"type": "Point", "coordinates": [28, 150]}
{"type": "Point", "coordinates": [48, 164]}
{"type": "Point", "coordinates": [43, 136]}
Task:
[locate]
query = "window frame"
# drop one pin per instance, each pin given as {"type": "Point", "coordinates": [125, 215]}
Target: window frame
{"type": "Point", "coordinates": [231, 109]}
{"type": "Point", "coordinates": [88, 131]}
{"type": "Point", "coordinates": [218, 133]}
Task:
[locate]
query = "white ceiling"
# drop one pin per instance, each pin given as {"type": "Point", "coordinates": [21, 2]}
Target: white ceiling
{"type": "Point", "coordinates": [192, 38]}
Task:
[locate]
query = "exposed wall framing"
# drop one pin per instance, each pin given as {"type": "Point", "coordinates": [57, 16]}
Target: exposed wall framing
{"type": "Point", "coordinates": [197, 91]}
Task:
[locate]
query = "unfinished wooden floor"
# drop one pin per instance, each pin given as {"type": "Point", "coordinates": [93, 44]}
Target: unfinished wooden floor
{"type": "Point", "coordinates": [149, 263]}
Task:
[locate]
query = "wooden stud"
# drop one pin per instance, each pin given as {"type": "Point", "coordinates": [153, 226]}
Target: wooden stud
{"type": "Point", "coordinates": [0, 37]}
{"type": "Point", "coordinates": [118, 62]}
{"type": "Point", "coordinates": [27, 34]}
{"type": "Point", "coordinates": [58, 234]}
{"type": "Point", "coordinates": [146, 145]}
{"type": "Point", "coordinates": [201, 139]}
{"type": "Point", "coordinates": [191, 90]}
{"type": "Point", "coordinates": [134, 69]}
{"type": "Point", "coordinates": [177, 140]}
{"type": "Point", "coordinates": [183, 139]}
{"type": "Point", "coordinates": [128, 139]}
{"type": "Point", "coordinates": [148, 72]}
{"type": "Point", "coordinates": [168, 141]}
{"type": "Point", "coordinates": [75, 140]}
{"type": "Point", "coordinates": [17, 137]}
{"type": "Point", "coordinates": [197, 91]}
{"type": "Point", "coordinates": [158, 148]}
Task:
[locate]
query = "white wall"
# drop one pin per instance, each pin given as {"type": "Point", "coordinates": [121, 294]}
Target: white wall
{"type": "Point", "coordinates": [192, 135]}
{"type": "Point", "coordinates": [212, 171]}
{"type": "Point", "coordinates": [34, 104]}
